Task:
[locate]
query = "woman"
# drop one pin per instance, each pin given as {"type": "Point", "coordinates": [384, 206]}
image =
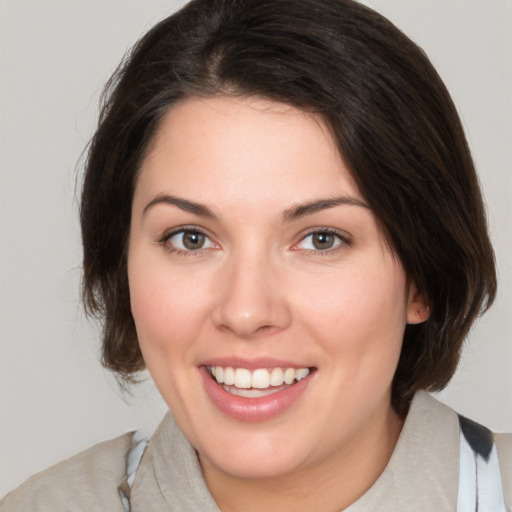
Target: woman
{"type": "Point", "coordinates": [282, 222]}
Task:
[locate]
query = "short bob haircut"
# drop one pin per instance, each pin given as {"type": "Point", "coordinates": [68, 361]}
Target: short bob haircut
{"type": "Point", "coordinates": [389, 113]}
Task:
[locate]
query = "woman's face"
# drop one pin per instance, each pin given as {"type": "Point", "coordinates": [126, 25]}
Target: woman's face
{"type": "Point", "coordinates": [253, 256]}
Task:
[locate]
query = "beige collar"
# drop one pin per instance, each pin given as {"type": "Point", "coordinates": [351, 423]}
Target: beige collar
{"type": "Point", "coordinates": [422, 474]}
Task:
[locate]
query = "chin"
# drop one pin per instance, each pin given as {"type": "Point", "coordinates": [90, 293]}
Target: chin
{"type": "Point", "coordinates": [259, 466]}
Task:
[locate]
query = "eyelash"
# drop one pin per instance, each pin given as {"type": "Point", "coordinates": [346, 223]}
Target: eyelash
{"type": "Point", "coordinates": [164, 241]}
{"type": "Point", "coordinates": [343, 240]}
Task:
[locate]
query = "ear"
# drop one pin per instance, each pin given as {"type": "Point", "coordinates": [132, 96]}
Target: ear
{"type": "Point", "coordinates": [418, 309]}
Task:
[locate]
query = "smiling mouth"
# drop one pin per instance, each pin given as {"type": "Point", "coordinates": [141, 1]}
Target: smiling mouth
{"type": "Point", "coordinates": [256, 383]}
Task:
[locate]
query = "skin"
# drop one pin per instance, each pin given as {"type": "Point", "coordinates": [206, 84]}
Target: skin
{"type": "Point", "coordinates": [259, 288]}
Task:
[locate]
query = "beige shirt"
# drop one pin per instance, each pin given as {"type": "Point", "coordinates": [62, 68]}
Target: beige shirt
{"type": "Point", "coordinates": [421, 476]}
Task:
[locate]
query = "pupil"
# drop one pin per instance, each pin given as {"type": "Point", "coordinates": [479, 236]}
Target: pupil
{"type": "Point", "coordinates": [323, 240]}
{"type": "Point", "coordinates": [193, 240]}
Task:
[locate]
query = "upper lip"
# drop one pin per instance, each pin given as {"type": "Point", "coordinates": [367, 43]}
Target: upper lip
{"type": "Point", "coordinates": [252, 364]}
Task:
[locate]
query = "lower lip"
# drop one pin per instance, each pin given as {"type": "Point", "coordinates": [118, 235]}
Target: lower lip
{"type": "Point", "coordinates": [252, 409]}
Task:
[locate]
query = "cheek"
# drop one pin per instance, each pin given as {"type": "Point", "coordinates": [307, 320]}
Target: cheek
{"type": "Point", "coordinates": [166, 313]}
{"type": "Point", "coordinates": [360, 313]}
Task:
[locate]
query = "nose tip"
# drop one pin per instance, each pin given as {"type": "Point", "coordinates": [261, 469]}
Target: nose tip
{"type": "Point", "coordinates": [247, 324]}
{"type": "Point", "coordinates": [251, 304]}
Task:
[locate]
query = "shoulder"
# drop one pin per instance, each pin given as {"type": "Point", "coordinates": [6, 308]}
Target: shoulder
{"type": "Point", "coordinates": [504, 445]}
{"type": "Point", "coordinates": [87, 481]}
{"type": "Point", "coordinates": [485, 461]}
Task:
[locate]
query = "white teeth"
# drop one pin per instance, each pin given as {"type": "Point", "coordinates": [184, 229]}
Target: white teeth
{"type": "Point", "coordinates": [261, 378]}
{"type": "Point", "coordinates": [300, 374]}
{"type": "Point", "coordinates": [219, 374]}
{"type": "Point", "coordinates": [229, 376]}
{"type": "Point", "coordinates": [251, 393]}
{"type": "Point", "coordinates": [277, 377]}
{"type": "Point", "coordinates": [289, 375]}
{"type": "Point", "coordinates": [242, 378]}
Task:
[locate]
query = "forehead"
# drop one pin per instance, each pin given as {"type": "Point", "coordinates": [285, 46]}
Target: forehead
{"type": "Point", "coordinates": [247, 147]}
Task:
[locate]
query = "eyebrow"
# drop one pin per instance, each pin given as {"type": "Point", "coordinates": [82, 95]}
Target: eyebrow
{"type": "Point", "coordinates": [293, 213]}
{"type": "Point", "coordinates": [184, 204]}
{"type": "Point", "coordinates": [309, 208]}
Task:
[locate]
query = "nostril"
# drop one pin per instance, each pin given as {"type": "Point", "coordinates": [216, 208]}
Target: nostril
{"type": "Point", "coordinates": [264, 328]}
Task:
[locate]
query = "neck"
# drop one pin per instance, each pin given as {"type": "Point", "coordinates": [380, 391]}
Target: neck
{"type": "Point", "coordinates": [334, 482]}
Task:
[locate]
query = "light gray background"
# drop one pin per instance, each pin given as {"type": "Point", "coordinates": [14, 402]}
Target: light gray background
{"type": "Point", "coordinates": [55, 56]}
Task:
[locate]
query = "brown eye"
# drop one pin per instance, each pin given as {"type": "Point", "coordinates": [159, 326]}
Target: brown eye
{"type": "Point", "coordinates": [193, 240]}
{"type": "Point", "coordinates": [321, 241]}
{"type": "Point", "coordinates": [188, 240]}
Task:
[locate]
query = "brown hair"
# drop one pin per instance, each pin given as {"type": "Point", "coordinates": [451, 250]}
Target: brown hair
{"type": "Point", "coordinates": [389, 112]}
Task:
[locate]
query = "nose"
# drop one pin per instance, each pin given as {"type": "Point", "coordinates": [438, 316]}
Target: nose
{"type": "Point", "coordinates": [251, 300]}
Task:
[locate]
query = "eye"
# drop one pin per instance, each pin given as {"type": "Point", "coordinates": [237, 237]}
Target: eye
{"type": "Point", "coordinates": [322, 241]}
{"type": "Point", "coordinates": [186, 240]}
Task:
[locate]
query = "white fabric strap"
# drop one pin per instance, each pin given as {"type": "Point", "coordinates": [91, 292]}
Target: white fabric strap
{"type": "Point", "coordinates": [480, 487]}
{"type": "Point", "coordinates": [132, 465]}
